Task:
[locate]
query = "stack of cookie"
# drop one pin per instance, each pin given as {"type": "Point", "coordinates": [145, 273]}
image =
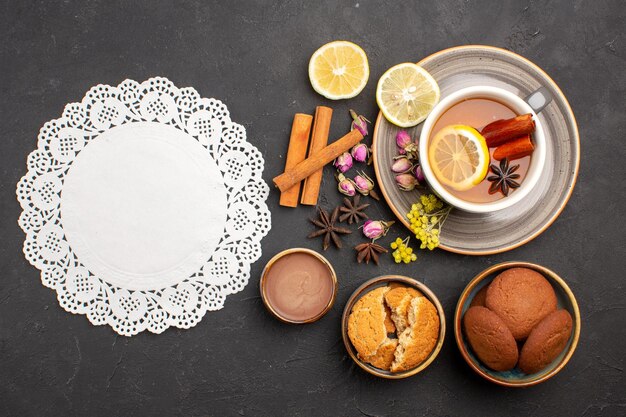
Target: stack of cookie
{"type": "Point", "coordinates": [394, 328]}
{"type": "Point", "coordinates": [515, 321]}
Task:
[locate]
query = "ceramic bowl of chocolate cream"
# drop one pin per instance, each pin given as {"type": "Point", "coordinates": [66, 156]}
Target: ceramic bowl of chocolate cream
{"type": "Point", "coordinates": [393, 326]}
{"type": "Point", "coordinates": [517, 324]}
{"type": "Point", "coordinates": [298, 286]}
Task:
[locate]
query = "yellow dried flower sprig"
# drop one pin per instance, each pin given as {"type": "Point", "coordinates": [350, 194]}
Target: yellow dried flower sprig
{"type": "Point", "coordinates": [427, 217]}
{"type": "Point", "coordinates": [402, 252]}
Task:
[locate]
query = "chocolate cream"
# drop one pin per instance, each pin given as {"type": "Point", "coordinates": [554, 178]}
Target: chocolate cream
{"type": "Point", "coordinates": [299, 286]}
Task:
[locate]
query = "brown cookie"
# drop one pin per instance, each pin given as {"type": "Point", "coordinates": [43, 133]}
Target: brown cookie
{"type": "Point", "coordinates": [490, 339]}
{"type": "Point", "coordinates": [522, 298]}
{"type": "Point", "coordinates": [479, 298]}
{"type": "Point", "coordinates": [366, 323]}
{"type": "Point", "coordinates": [384, 356]}
{"type": "Point", "coordinates": [399, 299]}
{"type": "Point", "coordinates": [389, 324]}
{"type": "Point", "coordinates": [420, 337]}
{"type": "Point", "coordinates": [546, 341]}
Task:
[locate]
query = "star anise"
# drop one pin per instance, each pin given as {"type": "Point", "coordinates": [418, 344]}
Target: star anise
{"type": "Point", "coordinates": [352, 211]}
{"type": "Point", "coordinates": [504, 178]}
{"type": "Point", "coordinates": [328, 229]}
{"type": "Point", "coordinates": [367, 251]}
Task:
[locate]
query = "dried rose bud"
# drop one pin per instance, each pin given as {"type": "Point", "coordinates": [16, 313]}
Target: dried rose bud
{"type": "Point", "coordinates": [343, 162]}
{"type": "Point", "coordinates": [374, 229]}
{"type": "Point", "coordinates": [401, 165]}
{"type": "Point", "coordinates": [403, 139]}
{"type": "Point", "coordinates": [359, 123]}
{"type": "Point", "coordinates": [363, 183]}
{"type": "Point", "coordinates": [406, 182]}
{"type": "Point", "coordinates": [360, 152]}
{"type": "Point", "coordinates": [419, 175]}
{"type": "Point", "coordinates": [346, 186]}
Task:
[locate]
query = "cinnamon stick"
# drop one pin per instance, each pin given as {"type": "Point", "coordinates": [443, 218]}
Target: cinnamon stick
{"type": "Point", "coordinates": [503, 130]}
{"type": "Point", "coordinates": [298, 144]}
{"type": "Point", "coordinates": [317, 161]}
{"type": "Point", "coordinates": [515, 149]}
{"type": "Point", "coordinates": [319, 139]}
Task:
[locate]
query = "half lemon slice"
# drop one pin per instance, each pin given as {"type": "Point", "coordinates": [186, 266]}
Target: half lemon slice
{"type": "Point", "coordinates": [459, 157]}
{"type": "Point", "coordinates": [339, 70]}
{"type": "Point", "coordinates": [406, 93]}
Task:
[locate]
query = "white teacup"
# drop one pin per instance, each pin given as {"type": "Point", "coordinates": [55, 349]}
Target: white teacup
{"type": "Point", "coordinates": [534, 104]}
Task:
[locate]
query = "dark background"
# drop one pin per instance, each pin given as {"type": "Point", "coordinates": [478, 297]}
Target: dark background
{"type": "Point", "coordinates": [254, 56]}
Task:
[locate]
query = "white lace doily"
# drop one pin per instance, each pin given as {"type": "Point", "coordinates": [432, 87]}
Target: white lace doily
{"type": "Point", "coordinates": [143, 206]}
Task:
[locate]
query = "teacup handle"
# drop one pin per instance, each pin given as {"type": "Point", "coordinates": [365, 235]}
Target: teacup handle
{"type": "Point", "coordinates": [539, 99]}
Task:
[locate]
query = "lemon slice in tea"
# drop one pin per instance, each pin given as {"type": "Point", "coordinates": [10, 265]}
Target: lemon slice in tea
{"type": "Point", "coordinates": [459, 157]}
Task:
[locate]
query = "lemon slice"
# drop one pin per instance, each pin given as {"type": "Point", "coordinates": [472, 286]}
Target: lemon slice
{"type": "Point", "coordinates": [406, 94]}
{"type": "Point", "coordinates": [339, 70]}
{"type": "Point", "coordinates": [459, 157]}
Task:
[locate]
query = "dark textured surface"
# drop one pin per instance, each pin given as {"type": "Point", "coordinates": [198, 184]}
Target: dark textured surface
{"type": "Point", "coordinates": [253, 56]}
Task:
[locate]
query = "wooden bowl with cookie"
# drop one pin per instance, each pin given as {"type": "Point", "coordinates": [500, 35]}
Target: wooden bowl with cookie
{"type": "Point", "coordinates": [393, 326]}
{"type": "Point", "coordinates": [517, 324]}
